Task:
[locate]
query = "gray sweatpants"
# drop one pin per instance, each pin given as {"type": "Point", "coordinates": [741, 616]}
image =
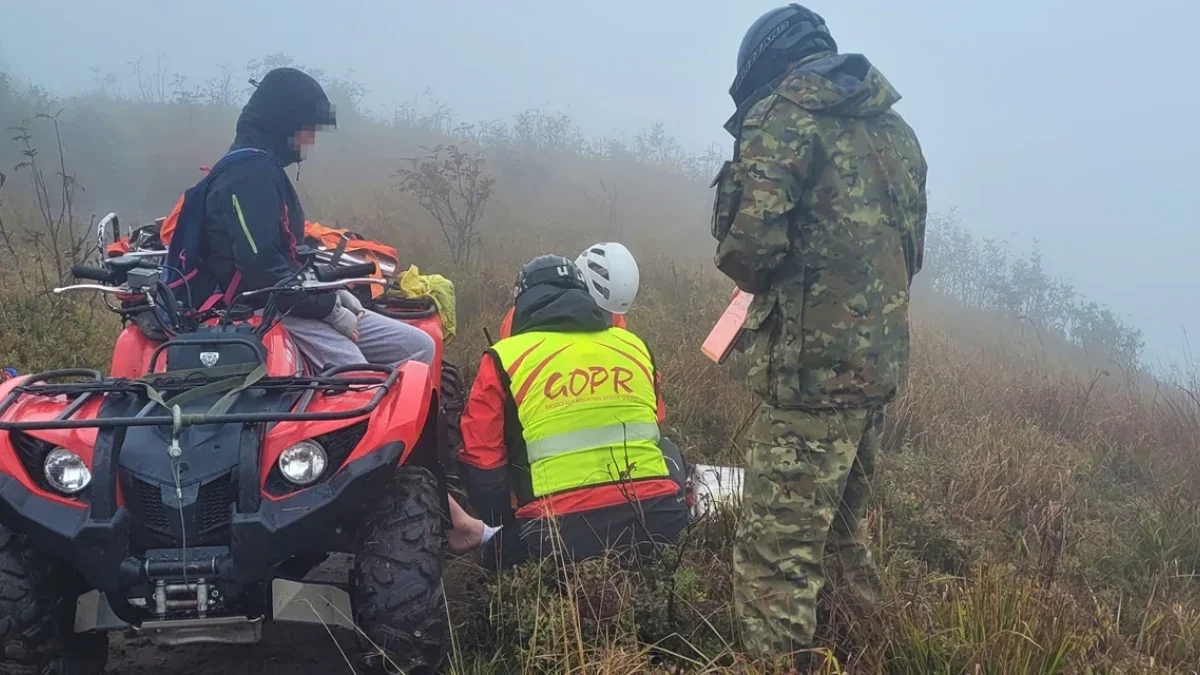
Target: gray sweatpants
{"type": "Point", "coordinates": [382, 341]}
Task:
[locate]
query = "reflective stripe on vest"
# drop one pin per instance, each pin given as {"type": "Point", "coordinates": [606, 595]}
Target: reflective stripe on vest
{"type": "Point", "coordinates": [587, 405]}
{"type": "Point", "coordinates": [585, 439]}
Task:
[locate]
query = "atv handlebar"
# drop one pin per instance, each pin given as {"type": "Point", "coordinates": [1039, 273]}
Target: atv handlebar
{"type": "Point", "coordinates": [92, 273]}
{"type": "Point", "coordinates": [106, 276]}
{"type": "Point", "coordinates": [327, 256]}
{"type": "Point", "coordinates": [344, 283]}
{"type": "Point", "coordinates": [117, 275]}
{"type": "Point", "coordinates": [310, 286]}
{"type": "Point", "coordinates": [111, 290]}
{"type": "Point", "coordinates": [145, 253]}
{"type": "Point", "coordinates": [347, 272]}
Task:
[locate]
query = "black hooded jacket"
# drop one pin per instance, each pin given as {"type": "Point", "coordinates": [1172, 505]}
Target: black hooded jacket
{"type": "Point", "coordinates": [260, 241]}
{"type": "Point", "coordinates": [547, 307]}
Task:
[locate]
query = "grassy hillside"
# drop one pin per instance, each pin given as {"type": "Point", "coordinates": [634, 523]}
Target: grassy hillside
{"type": "Point", "coordinates": [1038, 505]}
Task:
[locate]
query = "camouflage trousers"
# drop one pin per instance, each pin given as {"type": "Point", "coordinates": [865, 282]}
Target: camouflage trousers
{"type": "Point", "coordinates": [807, 482]}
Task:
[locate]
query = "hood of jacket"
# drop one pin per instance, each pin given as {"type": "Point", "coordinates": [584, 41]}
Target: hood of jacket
{"type": "Point", "coordinates": [843, 85]}
{"type": "Point", "coordinates": [285, 101]}
{"type": "Point", "coordinates": [547, 307]}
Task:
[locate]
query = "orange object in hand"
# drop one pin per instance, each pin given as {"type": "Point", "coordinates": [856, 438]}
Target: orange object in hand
{"type": "Point", "coordinates": [725, 333]}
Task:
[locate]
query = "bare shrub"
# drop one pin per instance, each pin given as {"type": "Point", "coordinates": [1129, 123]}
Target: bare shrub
{"type": "Point", "coordinates": [451, 185]}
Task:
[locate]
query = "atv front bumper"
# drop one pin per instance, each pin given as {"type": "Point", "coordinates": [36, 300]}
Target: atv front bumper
{"type": "Point", "coordinates": [291, 602]}
{"type": "Point", "coordinates": [262, 532]}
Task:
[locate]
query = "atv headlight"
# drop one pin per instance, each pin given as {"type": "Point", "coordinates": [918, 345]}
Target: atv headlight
{"type": "Point", "coordinates": [66, 471]}
{"type": "Point", "coordinates": [303, 463]}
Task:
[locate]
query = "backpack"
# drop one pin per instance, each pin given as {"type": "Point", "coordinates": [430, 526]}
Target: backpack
{"type": "Point", "coordinates": [181, 232]}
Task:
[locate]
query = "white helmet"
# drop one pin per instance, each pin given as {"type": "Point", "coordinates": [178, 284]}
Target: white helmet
{"type": "Point", "coordinates": [611, 275]}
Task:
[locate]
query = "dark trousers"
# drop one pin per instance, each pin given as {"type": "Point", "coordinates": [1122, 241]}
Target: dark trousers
{"type": "Point", "coordinates": [632, 530]}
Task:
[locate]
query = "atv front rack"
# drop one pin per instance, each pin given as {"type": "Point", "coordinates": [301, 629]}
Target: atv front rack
{"type": "Point", "coordinates": [53, 383]}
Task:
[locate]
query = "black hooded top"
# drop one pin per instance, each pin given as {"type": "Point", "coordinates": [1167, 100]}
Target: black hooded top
{"type": "Point", "coordinates": [286, 101]}
{"type": "Point", "coordinates": [253, 218]}
{"type": "Point", "coordinates": [548, 307]}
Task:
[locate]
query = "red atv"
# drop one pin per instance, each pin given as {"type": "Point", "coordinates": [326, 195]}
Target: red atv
{"type": "Point", "coordinates": [187, 495]}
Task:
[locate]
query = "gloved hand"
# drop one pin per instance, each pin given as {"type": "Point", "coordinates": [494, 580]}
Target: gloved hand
{"type": "Point", "coordinates": [350, 302]}
{"type": "Point", "coordinates": [343, 321]}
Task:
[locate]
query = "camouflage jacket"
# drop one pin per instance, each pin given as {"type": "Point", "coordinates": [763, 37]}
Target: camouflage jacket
{"type": "Point", "coordinates": [822, 216]}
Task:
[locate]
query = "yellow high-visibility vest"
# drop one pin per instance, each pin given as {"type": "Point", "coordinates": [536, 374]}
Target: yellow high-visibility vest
{"type": "Point", "coordinates": [588, 410]}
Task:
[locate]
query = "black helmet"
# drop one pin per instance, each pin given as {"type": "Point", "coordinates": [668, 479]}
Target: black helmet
{"type": "Point", "coordinates": [549, 269]}
{"type": "Point", "coordinates": [780, 36]}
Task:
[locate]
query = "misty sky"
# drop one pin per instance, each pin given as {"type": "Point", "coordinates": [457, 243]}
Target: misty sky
{"type": "Point", "coordinates": [1068, 121]}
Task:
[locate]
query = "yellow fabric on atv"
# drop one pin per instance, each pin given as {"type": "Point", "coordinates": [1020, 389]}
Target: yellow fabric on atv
{"type": "Point", "coordinates": [439, 289]}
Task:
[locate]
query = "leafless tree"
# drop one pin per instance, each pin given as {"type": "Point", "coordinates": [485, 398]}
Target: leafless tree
{"type": "Point", "coordinates": [218, 90]}
{"type": "Point", "coordinates": [57, 240]}
{"type": "Point", "coordinates": [609, 201]}
{"type": "Point", "coordinates": [4, 233]}
{"type": "Point", "coordinates": [451, 185]}
{"type": "Point", "coordinates": [151, 85]}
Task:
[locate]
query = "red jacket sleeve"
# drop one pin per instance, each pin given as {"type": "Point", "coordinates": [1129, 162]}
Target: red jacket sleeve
{"type": "Point", "coordinates": [483, 420]}
{"type": "Point", "coordinates": [483, 459]}
{"type": "Point", "coordinates": [506, 324]}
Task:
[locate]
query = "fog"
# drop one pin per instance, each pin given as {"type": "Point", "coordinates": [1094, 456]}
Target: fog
{"type": "Point", "coordinates": [1063, 122]}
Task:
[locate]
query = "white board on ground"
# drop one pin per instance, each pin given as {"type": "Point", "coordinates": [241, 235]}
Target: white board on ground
{"type": "Point", "coordinates": [714, 485]}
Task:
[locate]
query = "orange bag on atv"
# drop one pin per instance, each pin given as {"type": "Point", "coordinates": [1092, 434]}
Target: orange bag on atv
{"type": "Point", "coordinates": [118, 248]}
{"type": "Point", "coordinates": [356, 247]}
{"type": "Point", "coordinates": [166, 227]}
{"type": "Point", "coordinates": [169, 223]}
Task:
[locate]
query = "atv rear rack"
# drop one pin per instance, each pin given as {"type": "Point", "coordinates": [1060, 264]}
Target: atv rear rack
{"type": "Point", "coordinates": [49, 384]}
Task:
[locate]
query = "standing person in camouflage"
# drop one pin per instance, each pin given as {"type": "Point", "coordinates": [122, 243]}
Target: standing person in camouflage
{"type": "Point", "coordinates": [820, 215]}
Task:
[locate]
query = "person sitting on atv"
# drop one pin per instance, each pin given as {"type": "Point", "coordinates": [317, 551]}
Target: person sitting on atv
{"type": "Point", "coordinates": [561, 430]}
{"type": "Point", "coordinates": [237, 230]}
{"type": "Point", "coordinates": [612, 277]}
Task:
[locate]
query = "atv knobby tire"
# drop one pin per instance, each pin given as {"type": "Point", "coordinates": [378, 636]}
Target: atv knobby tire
{"type": "Point", "coordinates": [396, 584]}
{"type": "Point", "coordinates": [36, 618]}
{"type": "Point", "coordinates": [450, 441]}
